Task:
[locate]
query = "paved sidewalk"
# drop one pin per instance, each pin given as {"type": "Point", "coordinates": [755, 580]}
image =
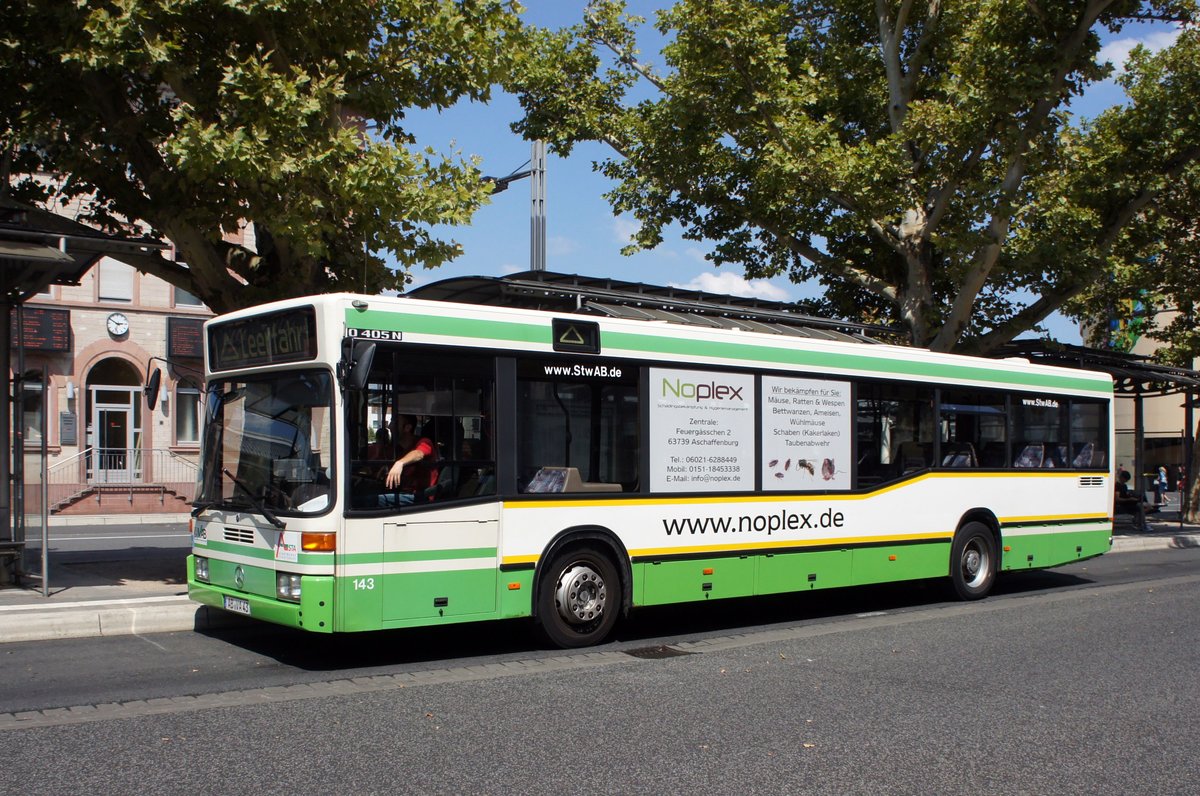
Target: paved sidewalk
{"type": "Point", "coordinates": [146, 591]}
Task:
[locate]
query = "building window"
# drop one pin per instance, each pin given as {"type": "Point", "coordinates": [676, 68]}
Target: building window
{"type": "Point", "coordinates": [186, 299]}
{"type": "Point", "coordinates": [115, 281]}
{"type": "Point", "coordinates": [32, 405]}
{"type": "Point", "coordinates": [187, 416]}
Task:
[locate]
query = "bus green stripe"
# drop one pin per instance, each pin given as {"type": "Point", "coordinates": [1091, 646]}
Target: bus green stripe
{"type": "Point", "coordinates": [450, 327]}
{"type": "Point", "coordinates": [681, 346]}
{"type": "Point", "coordinates": [267, 556]}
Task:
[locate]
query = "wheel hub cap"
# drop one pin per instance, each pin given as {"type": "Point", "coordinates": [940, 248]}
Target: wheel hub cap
{"type": "Point", "coordinates": [580, 595]}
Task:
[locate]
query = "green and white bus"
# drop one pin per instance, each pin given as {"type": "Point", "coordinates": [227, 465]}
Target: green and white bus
{"type": "Point", "coordinates": [599, 456]}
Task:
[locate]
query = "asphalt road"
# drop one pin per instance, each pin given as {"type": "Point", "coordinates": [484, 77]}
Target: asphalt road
{"type": "Point", "coordinates": [1075, 681]}
{"type": "Point", "coordinates": [87, 538]}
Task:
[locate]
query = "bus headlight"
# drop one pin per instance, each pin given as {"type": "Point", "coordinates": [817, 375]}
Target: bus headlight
{"type": "Point", "coordinates": [201, 568]}
{"type": "Point", "coordinates": [287, 587]}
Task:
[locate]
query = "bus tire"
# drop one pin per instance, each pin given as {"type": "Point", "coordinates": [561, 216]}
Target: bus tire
{"type": "Point", "coordinates": [579, 598]}
{"type": "Point", "coordinates": [973, 561]}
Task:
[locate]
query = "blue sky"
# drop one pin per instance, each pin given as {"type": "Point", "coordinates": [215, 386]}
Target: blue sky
{"type": "Point", "coordinates": [583, 236]}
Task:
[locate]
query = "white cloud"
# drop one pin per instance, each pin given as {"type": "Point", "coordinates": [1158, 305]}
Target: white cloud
{"type": "Point", "coordinates": [561, 246]}
{"type": "Point", "coordinates": [1118, 50]}
{"type": "Point", "coordinates": [730, 284]}
{"type": "Point", "coordinates": [625, 228]}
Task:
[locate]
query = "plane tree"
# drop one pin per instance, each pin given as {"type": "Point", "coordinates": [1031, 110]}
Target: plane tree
{"type": "Point", "coordinates": [917, 158]}
{"type": "Point", "coordinates": [198, 120]}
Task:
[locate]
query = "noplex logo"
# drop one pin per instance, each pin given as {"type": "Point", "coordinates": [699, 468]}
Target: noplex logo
{"type": "Point", "coordinates": [701, 392]}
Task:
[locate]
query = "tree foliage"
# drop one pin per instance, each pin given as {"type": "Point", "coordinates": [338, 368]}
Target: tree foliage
{"type": "Point", "coordinates": [193, 117]}
{"type": "Point", "coordinates": [917, 158]}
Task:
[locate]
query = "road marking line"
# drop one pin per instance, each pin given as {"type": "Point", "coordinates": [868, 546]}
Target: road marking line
{"type": "Point", "coordinates": [111, 538]}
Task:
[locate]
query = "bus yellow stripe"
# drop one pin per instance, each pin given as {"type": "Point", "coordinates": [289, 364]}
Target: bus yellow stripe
{"type": "Point", "coordinates": [772, 545]}
{"type": "Point", "coordinates": [792, 543]}
{"type": "Point", "coordinates": [1052, 518]}
{"type": "Point", "coordinates": [610, 502]}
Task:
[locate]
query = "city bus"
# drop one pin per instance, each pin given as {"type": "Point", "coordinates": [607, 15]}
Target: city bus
{"type": "Point", "coordinates": [584, 458]}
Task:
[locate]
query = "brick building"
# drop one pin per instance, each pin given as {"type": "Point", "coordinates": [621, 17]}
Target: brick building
{"type": "Point", "coordinates": [97, 343]}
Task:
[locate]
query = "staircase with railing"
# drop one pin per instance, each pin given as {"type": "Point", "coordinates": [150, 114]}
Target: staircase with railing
{"type": "Point", "coordinates": [121, 479]}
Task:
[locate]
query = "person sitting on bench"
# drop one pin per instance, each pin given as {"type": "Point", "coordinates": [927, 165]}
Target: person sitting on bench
{"type": "Point", "coordinates": [1126, 502]}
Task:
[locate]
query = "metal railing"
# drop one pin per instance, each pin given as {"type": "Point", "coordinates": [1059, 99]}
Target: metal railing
{"type": "Point", "coordinates": [130, 470]}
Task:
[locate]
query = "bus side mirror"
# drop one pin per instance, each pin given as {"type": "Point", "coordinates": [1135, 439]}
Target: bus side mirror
{"type": "Point", "coordinates": [151, 388]}
{"type": "Point", "coordinates": [357, 360]}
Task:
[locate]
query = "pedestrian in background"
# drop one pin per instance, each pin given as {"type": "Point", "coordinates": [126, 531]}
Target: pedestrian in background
{"type": "Point", "coordinates": [1160, 485]}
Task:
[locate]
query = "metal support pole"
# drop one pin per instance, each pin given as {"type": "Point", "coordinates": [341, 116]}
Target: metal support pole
{"type": "Point", "coordinates": [537, 216]}
{"type": "Point", "coordinates": [6, 529]}
{"type": "Point", "coordinates": [1189, 442]}
{"type": "Point", "coordinates": [45, 474]}
{"type": "Point", "coordinates": [1139, 444]}
{"type": "Point", "coordinates": [17, 499]}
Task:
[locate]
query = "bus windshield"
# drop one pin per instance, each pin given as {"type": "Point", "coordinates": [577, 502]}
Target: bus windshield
{"type": "Point", "coordinates": [267, 444]}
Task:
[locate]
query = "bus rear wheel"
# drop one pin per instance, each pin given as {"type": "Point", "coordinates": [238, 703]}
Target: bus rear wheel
{"type": "Point", "coordinates": [579, 597]}
{"type": "Point", "coordinates": [973, 561]}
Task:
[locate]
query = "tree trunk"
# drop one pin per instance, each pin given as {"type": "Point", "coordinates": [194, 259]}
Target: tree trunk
{"type": "Point", "coordinates": [1193, 483]}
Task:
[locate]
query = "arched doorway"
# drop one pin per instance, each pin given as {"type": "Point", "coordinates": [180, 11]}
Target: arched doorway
{"type": "Point", "coordinates": [114, 431]}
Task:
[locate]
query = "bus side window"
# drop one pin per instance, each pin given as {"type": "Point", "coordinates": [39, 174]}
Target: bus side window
{"type": "Point", "coordinates": [586, 425]}
{"type": "Point", "coordinates": [1030, 456]}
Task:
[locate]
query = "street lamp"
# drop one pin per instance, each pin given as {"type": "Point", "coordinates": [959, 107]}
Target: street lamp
{"type": "Point", "coordinates": [537, 202]}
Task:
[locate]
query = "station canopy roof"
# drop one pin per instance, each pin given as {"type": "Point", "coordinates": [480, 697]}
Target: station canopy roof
{"type": "Point", "coordinates": [614, 298]}
{"type": "Point", "coordinates": [1131, 374]}
{"type": "Point", "coordinates": [568, 293]}
{"type": "Point", "coordinates": [39, 248]}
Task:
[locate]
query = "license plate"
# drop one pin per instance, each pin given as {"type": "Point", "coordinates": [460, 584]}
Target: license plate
{"type": "Point", "coordinates": [237, 605]}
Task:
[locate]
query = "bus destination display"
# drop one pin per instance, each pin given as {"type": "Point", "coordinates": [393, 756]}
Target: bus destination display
{"type": "Point", "coordinates": [287, 336]}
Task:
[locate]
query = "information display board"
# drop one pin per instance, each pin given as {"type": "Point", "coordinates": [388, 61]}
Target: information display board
{"type": "Point", "coordinates": [806, 434]}
{"type": "Point", "coordinates": [701, 431]}
{"type": "Point", "coordinates": [43, 329]}
{"type": "Point", "coordinates": [185, 338]}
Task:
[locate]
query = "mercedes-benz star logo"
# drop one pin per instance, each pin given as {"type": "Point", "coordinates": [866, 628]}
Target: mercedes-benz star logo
{"type": "Point", "coordinates": [239, 577]}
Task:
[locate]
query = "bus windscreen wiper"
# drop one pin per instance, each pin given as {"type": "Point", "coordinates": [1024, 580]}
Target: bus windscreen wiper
{"type": "Point", "coordinates": [259, 503]}
{"type": "Point", "coordinates": [200, 506]}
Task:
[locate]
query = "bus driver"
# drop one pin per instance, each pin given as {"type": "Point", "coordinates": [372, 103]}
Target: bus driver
{"type": "Point", "coordinates": [414, 470]}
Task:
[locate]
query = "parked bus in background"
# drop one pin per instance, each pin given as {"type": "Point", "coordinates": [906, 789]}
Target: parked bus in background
{"type": "Point", "coordinates": [575, 465]}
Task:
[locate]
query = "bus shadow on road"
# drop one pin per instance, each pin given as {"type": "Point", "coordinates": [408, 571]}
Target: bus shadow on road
{"type": "Point", "coordinates": [486, 642]}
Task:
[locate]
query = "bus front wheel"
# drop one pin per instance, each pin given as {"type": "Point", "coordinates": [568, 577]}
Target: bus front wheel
{"type": "Point", "coordinates": [973, 561]}
{"type": "Point", "coordinates": [579, 598]}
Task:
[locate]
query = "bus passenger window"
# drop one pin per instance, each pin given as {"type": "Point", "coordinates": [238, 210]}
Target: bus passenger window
{"type": "Point", "coordinates": [1040, 432]}
{"type": "Point", "coordinates": [1089, 430]}
{"type": "Point", "coordinates": [894, 426]}
{"type": "Point", "coordinates": [577, 431]}
{"type": "Point", "coordinates": [973, 424]}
